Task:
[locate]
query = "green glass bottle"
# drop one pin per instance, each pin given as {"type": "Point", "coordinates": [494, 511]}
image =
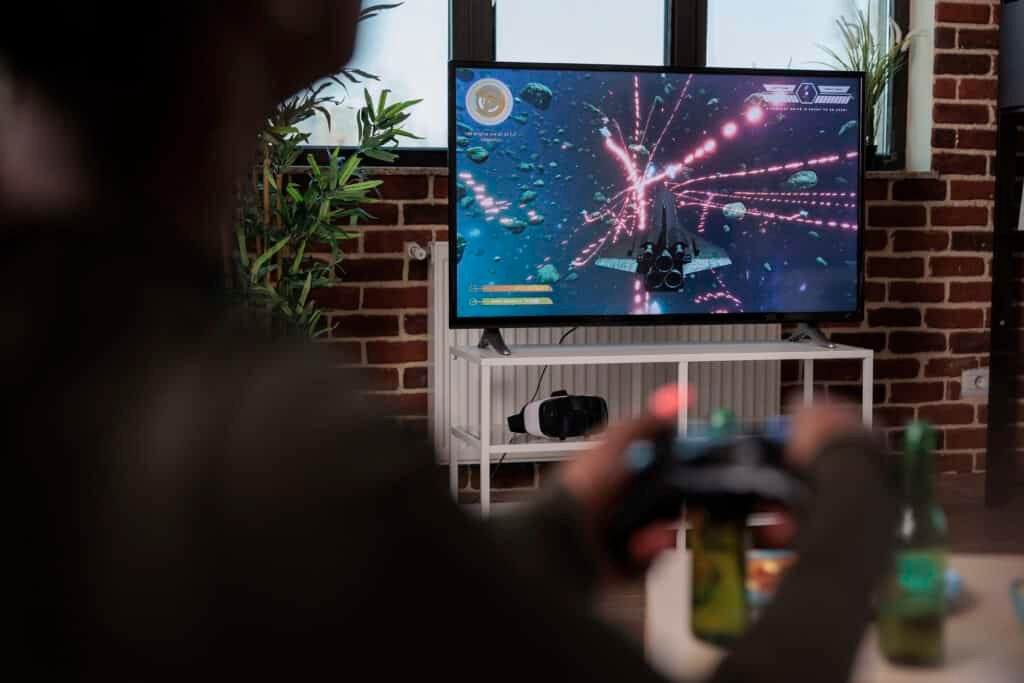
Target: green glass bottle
{"type": "Point", "coordinates": [912, 604]}
{"type": "Point", "coordinates": [718, 544]}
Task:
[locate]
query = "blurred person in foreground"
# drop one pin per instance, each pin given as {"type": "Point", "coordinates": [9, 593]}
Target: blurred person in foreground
{"type": "Point", "coordinates": [188, 499]}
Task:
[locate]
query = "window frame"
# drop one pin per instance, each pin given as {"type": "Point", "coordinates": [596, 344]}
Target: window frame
{"type": "Point", "coordinates": [471, 26]}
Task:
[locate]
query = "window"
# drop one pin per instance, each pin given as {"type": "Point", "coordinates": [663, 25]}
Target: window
{"type": "Point", "coordinates": [788, 35]}
{"type": "Point", "coordinates": [580, 31]}
{"type": "Point", "coordinates": [407, 48]}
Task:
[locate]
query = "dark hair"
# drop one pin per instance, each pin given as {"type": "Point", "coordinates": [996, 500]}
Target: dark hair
{"type": "Point", "coordinates": [113, 70]}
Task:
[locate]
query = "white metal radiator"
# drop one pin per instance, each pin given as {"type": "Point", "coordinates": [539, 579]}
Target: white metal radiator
{"type": "Point", "coordinates": [751, 388]}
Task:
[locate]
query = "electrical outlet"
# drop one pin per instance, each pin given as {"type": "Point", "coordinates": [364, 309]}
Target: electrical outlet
{"type": "Point", "coordinates": [974, 383]}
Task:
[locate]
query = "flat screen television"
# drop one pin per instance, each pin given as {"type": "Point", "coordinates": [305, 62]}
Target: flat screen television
{"type": "Point", "coordinates": [637, 195]}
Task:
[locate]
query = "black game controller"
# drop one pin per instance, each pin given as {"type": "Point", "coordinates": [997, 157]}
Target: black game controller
{"type": "Point", "coordinates": [728, 472]}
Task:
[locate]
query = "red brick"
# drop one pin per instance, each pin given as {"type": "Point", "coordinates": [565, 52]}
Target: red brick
{"type": "Point", "coordinates": [943, 138]}
{"type": "Point", "coordinates": [441, 235]}
{"type": "Point", "coordinates": [970, 291]}
{"type": "Point", "coordinates": [393, 241]}
{"type": "Point", "coordinates": [352, 245]}
{"type": "Point", "coordinates": [947, 413]}
{"type": "Point", "coordinates": [425, 214]}
{"type": "Point", "coordinates": [953, 391]}
{"type": "Point", "coordinates": [946, 266]}
{"type": "Point", "coordinates": [917, 292]}
{"type": "Point", "coordinates": [969, 342]}
{"type": "Point", "coordinates": [418, 271]}
{"type": "Point", "coordinates": [906, 267]}
{"type": "Point", "coordinates": [415, 323]}
{"type": "Point", "coordinates": [869, 340]}
{"type": "Point", "coordinates": [896, 368]}
{"type": "Point", "coordinates": [961, 13]}
{"type": "Point", "coordinates": [893, 415]}
{"type": "Point", "coordinates": [415, 378]}
{"type": "Point", "coordinates": [875, 189]}
{"type": "Point", "coordinates": [970, 138]}
{"type": "Point", "coordinates": [919, 190]}
{"type": "Point", "coordinates": [381, 213]}
{"type": "Point", "coordinates": [945, 37]}
{"type": "Point", "coordinates": [948, 367]}
{"type": "Point", "coordinates": [944, 89]}
{"type": "Point", "coordinates": [960, 63]}
{"type": "Point", "coordinates": [896, 216]}
{"type": "Point", "coordinates": [972, 189]}
{"type": "Point", "coordinates": [983, 413]}
{"type": "Point", "coordinates": [916, 342]}
{"type": "Point", "coordinates": [376, 379]}
{"type": "Point", "coordinates": [959, 215]}
{"type": "Point", "coordinates": [965, 438]}
{"type": "Point", "coordinates": [851, 393]}
{"type": "Point", "coordinates": [395, 297]}
{"type": "Point", "coordinates": [336, 298]}
{"type": "Point", "coordinates": [837, 370]}
{"type": "Point", "coordinates": [404, 187]}
{"type": "Point", "coordinates": [915, 392]}
{"type": "Point", "coordinates": [961, 164]}
{"type": "Point", "coordinates": [401, 405]}
{"type": "Point", "coordinates": [365, 326]}
{"type": "Point", "coordinates": [875, 240]}
{"type": "Point", "coordinates": [978, 88]}
{"type": "Point", "coordinates": [440, 187]}
{"type": "Point", "coordinates": [386, 353]}
{"type": "Point", "coordinates": [954, 112]}
{"type": "Point", "coordinates": [345, 352]}
{"type": "Point", "coordinates": [972, 241]}
{"type": "Point", "coordinates": [371, 270]}
{"type": "Point", "coordinates": [894, 317]}
{"type": "Point", "coordinates": [978, 39]}
{"type": "Point", "coordinates": [874, 291]}
{"type": "Point", "coordinates": [954, 318]}
{"type": "Point", "coordinates": [920, 240]}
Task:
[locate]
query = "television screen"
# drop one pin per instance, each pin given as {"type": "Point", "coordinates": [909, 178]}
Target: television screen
{"type": "Point", "coordinates": [645, 195]}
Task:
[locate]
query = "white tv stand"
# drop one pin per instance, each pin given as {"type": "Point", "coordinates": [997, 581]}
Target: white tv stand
{"type": "Point", "coordinates": [679, 354]}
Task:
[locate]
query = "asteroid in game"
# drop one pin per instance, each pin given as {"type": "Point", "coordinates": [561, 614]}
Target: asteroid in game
{"type": "Point", "coordinates": [547, 274]}
{"type": "Point", "coordinates": [801, 180]}
{"type": "Point", "coordinates": [734, 211]}
{"type": "Point", "coordinates": [537, 94]}
{"type": "Point", "coordinates": [477, 154]}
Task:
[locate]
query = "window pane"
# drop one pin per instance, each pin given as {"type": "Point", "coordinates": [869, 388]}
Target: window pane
{"type": "Point", "coordinates": [774, 35]}
{"type": "Point", "coordinates": [580, 31]}
{"type": "Point", "coordinates": [407, 47]}
{"type": "Point", "coordinates": [779, 35]}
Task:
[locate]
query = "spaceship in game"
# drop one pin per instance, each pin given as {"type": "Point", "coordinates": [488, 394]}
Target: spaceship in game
{"type": "Point", "coordinates": [674, 253]}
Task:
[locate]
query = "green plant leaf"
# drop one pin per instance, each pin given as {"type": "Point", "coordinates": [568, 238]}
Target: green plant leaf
{"type": "Point", "coordinates": [260, 260]}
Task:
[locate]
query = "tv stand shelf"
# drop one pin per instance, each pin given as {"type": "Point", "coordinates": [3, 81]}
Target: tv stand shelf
{"type": "Point", "coordinates": [680, 355]}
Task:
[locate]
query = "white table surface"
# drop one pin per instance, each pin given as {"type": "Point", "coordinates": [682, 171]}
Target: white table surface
{"type": "Point", "coordinates": [984, 643]}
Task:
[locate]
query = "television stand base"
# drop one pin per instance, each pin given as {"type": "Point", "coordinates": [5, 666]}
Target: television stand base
{"type": "Point", "coordinates": [809, 333]}
{"type": "Point", "coordinates": [491, 337]}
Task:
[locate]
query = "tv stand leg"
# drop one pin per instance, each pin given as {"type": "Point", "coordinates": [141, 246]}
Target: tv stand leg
{"type": "Point", "coordinates": [491, 337]}
{"type": "Point", "coordinates": [807, 332]}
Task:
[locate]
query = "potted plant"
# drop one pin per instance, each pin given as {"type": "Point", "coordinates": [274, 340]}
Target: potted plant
{"type": "Point", "coordinates": [293, 218]}
{"type": "Point", "coordinates": [879, 60]}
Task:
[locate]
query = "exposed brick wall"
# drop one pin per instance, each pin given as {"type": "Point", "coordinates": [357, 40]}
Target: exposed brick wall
{"type": "Point", "coordinates": [928, 271]}
{"type": "Point", "coordinates": [929, 254]}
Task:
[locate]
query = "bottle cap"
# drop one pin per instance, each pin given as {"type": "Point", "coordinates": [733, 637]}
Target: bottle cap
{"type": "Point", "coordinates": [919, 438]}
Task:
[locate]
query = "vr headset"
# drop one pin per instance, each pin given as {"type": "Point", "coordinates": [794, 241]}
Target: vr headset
{"type": "Point", "coordinates": [561, 416]}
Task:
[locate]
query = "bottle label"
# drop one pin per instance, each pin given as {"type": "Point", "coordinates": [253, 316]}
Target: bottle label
{"type": "Point", "coordinates": [919, 588]}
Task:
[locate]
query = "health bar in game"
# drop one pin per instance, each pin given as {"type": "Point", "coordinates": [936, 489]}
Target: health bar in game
{"type": "Point", "coordinates": [514, 289]}
{"type": "Point", "coordinates": [513, 301]}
